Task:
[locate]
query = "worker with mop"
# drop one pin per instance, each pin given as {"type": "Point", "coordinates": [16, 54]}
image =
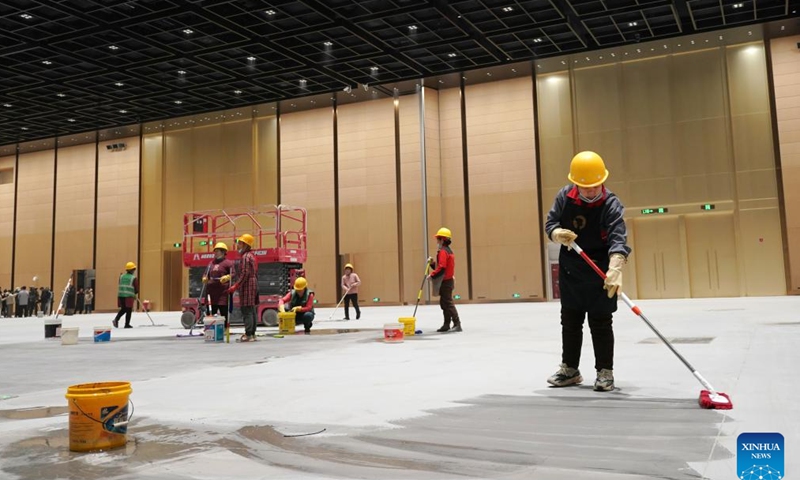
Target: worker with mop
{"type": "Point", "coordinates": [300, 301]}
{"type": "Point", "coordinates": [247, 285]}
{"type": "Point", "coordinates": [444, 270]}
{"type": "Point", "coordinates": [586, 210]}
{"type": "Point", "coordinates": [350, 283]}
{"type": "Point", "coordinates": [219, 276]}
{"type": "Point", "coordinates": [126, 294]}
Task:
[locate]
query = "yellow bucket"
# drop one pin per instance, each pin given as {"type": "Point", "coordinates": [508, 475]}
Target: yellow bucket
{"type": "Point", "coordinates": [409, 325]}
{"type": "Point", "coordinates": [98, 415]}
{"type": "Point", "coordinates": [286, 322]}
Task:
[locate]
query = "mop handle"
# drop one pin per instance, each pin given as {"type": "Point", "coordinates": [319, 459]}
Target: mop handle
{"type": "Point", "coordinates": [638, 311]}
{"type": "Point", "coordinates": [419, 295]}
{"type": "Point", "coordinates": [340, 302]}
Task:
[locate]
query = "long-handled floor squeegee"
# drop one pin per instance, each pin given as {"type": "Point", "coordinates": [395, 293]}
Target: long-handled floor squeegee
{"type": "Point", "coordinates": [152, 323]}
{"type": "Point", "coordinates": [709, 398]}
{"type": "Point", "coordinates": [337, 305]}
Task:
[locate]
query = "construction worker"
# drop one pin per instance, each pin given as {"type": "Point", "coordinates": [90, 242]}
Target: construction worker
{"type": "Point", "coordinates": [444, 270]}
{"type": "Point", "coordinates": [350, 283]}
{"type": "Point", "coordinates": [589, 212]}
{"type": "Point", "coordinates": [217, 280]}
{"type": "Point", "coordinates": [247, 285]}
{"type": "Point", "coordinates": [300, 301]}
{"type": "Point", "coordinates": [126, 294]}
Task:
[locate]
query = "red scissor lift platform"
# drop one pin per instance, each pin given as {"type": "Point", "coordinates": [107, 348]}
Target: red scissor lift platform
{"type": "Point", "coordinates": [280, 248]}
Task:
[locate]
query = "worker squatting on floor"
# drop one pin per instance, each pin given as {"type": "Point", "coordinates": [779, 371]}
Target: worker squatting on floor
{"type": "Point", "coordinates": [126, 294]}
{"type": "Point", "coordinates": [300, 301]}
{"type": "Point", "coordinates": [592, 214]}
{"type": "Point", "coordinates": [444, 270]}
{"type": "Point", "coordinates": [216, 279]}
{"type": "Point", "coordinates": [247, 285]}
{"type": "Point", "coordinates": [350, 283]}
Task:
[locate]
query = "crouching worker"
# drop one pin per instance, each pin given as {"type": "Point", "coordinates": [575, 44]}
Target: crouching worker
{"type": "Point", "coordinates": [300, 301]}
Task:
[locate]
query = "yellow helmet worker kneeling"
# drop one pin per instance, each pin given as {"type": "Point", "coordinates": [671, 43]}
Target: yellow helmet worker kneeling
{"type": "Point", "coordinates": [300, 300]}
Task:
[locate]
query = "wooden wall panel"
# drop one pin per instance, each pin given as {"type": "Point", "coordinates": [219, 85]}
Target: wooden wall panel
{"type": "Point", "coordinates": [367, 196]}
{"type": "Point", "coordinates": [266, 163]}
{"type": "Point", "coordinates": [503, 193]}
{"type": "Point", "coordinates": [6, 222]}
{"type": "Point", "coordinates": [307, 181]}
{"type": "Point", "coordinates": [117, 218]}
{"type": "Point", "coordinates": [34, 218]}
{"type": "Point", "coordinates": [786, 80]}
{"type": "Point", "coordinates": [74, 211]}
{"type": "Point", "coordinates": [151, 266]}
{"type": "Point", "coordinates": [556, 145]}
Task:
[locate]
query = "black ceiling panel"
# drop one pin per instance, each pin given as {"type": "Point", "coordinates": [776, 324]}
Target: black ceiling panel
{"type": "Point", "coordinates": [70, 66]}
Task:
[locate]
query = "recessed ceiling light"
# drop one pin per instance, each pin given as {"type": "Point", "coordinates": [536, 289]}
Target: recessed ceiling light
{"type": "Point", "coordinates": [692, 42]}
{"type": "Point", "coordinates": [508, 9]}
{"type": "Point", "coordinates": [7, 105]}
{"type": "Point", "coordinates": [633, 24]}
{"type": "Point", "coordinates": [178, 102]}
{"type": "Point", "coordinates": [188, 31]}
{"type": "Point", "coordinates": [24, 128]}
{"type": "Point", "coordinates": [563, 62]}
{"type": "Point", "coordinates": [270, 12]}
{"type": "Point", "coordinates": [750, 32]}
{"type": "Point", "coordinates": [123, 111]}
{"type": "Point", "coordinates": [488, 74]}
{"type": "Point", "coordinates": [452, 54]}
{"type": "Point", "coordinates": [514, 70]}
{"type": "Point", "coordinates": [537, 40]}
{"type": "Point", "coordinates": [26, 16]}
{"type": "Point", "coordinates": [638, 50]}
{"type": "Point", "coordinates": [62, 95]}
{"type": "Point", "coordinates": [294, 105]}
{"type": "Point", "coordinates": [113, 47]}
{"type": "Point", "coordinates": [720, 37]}
{"type": "Point", "coordinates": [47, 62]}
{"type": "Point", "coordinates": [412, 27]}
{"type": "Point", "coordinates": [613, 54]}
{"type": "Point", "coordinates": [328, 44]}
{"type": "Point", "coordinates": [738, 5]}
{"type": "Point", "coordinates": [441, 81]}
{"type": "Point", "coordinates": [237, 92]}
{"type": "Point", "coordinates": [181, 72]}
{"type": "Point", "coordinates": [119, 84]}
{"type": "Point", "coordinates": [251, 59]}
{"type": "Point", "coordinates": [303, 81]}
{"type": "Point", "coordinates": [71, 120]}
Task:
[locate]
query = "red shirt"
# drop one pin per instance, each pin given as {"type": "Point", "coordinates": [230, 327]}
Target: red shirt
{"type": "Point", "coordinates": [216, 290]}
{"type": "Point", "coordinates": [445, 264]}
{"type": "Point", "coordinates": [247, 284]}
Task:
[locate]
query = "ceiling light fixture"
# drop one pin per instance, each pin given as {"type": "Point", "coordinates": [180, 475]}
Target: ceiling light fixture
{"type": "Point", "coordinates": [26, 16]}
{"type": "Point", "coordinates": [71, 120]}
{"type": "Point", "coordinates": [7, 105]}
{"type": "Point", "coordinates": [633, 24]}
{"type": "Point", "coordinates": [638, 50]}
{"type": "Point", "coordinates": [537, 40]}
{"type": "Point", "coordinates": [412, 27]}
{"type": "Point", "coordinates": [251, 59]}
{"type": "Point", "coordinates": [270, 12]}
{"type": "Point", "coordinates": [62, 95]}
{"type": "Point", "coordinates": [563, 62]}
{"type": "Point", "coordinates": [613, 54]}
{"type": "Point", "coordinates": [452, 54]}
{"type": "Point", "coordinates": [123, 111]}
{"type": "Point", "coordinates": [188, 31]}
{"type": "Point", "coordinates": [237, 92]}
{"type": "Point", "coordinates": [24, 128]}
{"type": "Point", "coordinates": [119, 84]}
{"type": "Point", "coordinates": [738, 5]}
{"type": "Point", "coordinates": [178, 102]}
{"type": "Point", "coordinates": [328, 44]}
{"type": "Point", "coordinates": [508, 9]}
{"type": "Point", "coordinates": [113, 47]}
{"type": "Point", "coordinates": [47, 62]}
{"type": "Point", "coordinates": [181, 72]}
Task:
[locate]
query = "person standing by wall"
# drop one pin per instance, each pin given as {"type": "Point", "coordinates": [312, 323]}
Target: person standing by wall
{"type": "Point", "coordinates": [219, 276]}
{"type": "Point", "coordinates": [300, 301]}
{"type": "Point", "coordinates": [126, 294]}
{"type": "Point", "coordinates": [247, 285]}
{"type": "Point", "coordinates": [46, 299]}
{"type": "Point", "coordinates": [350, 283]}
{"type": "Point", "coordinates": [445, 270]}
{"type": "Point", "coordinates": [8, 303]}
{"type": "Point", "coordinates": [33, 302]}
{"type": "Point", "coordinates": [88, 300]}
{"type": "Point", "coordinates": [23, 297]}
{"type": "Point", "coordinates": [586, 210]}
{"type": "Point", "coordinates": [80, 301]}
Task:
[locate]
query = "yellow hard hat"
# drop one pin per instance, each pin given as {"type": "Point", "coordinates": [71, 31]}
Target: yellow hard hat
{"type": "Point", "coordinates": [221, 246]}
{"type": "Point", "coordinates": [444, 233]}
{"type": "Point", "coordinates": [300, 284]}
{"type": "Point", "coordinates": [130, 266]}
{"type": "Point", "coordinates": [350, 266]}
{"type": "Point", "coordinates": [587, 170]}
{"type": "Point", "coordinates": [248, 239]}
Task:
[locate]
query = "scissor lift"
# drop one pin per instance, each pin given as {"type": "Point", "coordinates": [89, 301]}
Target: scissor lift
{"type": "Point", "coordinates": [280, 248]}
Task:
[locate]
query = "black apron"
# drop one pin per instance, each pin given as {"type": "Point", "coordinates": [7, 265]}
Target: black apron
{"type": "Point", "coordinates": [581, 287]}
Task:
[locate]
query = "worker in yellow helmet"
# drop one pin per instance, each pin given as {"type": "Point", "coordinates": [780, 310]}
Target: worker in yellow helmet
{"type": "Point", "coordinates": [300, 300]}
{"type": "Point", "coordinates": [443, 274]}
{"type": "Point", "coordinates": [588, 212]}
{"type": "Point", "coordinates": [127, 291]}
{"type": "Point", "coordinates": [247, 285]}
{"type": "Point", "coordinates": [217, 278]}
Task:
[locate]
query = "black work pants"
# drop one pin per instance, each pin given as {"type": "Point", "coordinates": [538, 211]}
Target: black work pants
{"type": "Point", "coordinates": [446, 303]}
{"type": "Point", "coordinates": [249, 317]}
{"type": "Point", "coordinates": [127, 311]}
{"type": "Point", "coordinates": [220, 310]}
{"type": "Point", "coordinates": [351, 298]}
{"type": "Point", "coordinates": [572, 338]}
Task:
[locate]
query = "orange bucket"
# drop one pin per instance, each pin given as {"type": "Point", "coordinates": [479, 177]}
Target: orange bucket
{"type": "Point", "coordinates": [98, 415]}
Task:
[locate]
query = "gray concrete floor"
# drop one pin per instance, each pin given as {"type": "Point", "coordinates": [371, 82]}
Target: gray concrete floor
{"type": "Point", "coordinates": [469, 405]}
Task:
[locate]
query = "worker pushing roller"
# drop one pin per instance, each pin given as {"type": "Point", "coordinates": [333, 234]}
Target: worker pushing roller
{"type": "Point", "coordinates": [588, 211]}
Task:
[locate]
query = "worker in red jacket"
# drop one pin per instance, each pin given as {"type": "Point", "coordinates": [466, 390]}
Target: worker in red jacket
{"type": "Point", "coordinates": [444, 269]}
{"type": "Point", "coordinates": [300, 301]}
{"type": "Point", "coordinates": [219, 276]}
{"type": "Point", "coordinates": [247, 284]}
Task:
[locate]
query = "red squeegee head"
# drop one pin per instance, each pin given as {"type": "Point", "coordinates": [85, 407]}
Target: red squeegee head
{"type": "Point", "coordinates": [714, 400]}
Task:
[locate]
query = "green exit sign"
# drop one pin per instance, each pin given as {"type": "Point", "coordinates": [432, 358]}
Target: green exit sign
{"type": "Point", "coordinates": [457, 297]}
{"type": "Point", "coordinates": [516, 295]}
{"type": "Point", "coordinates": [651, 211]}
{"type": "Point", "coordinates": [176, 245]}
{"type": "Point", "coordinates": [376, 299]}
{"type": "Point", "coordinates": [315, 301]}
{"type": "Point", "coordinates": [203, 243]}
{"type": "Point", "coordinates": [707, 206]}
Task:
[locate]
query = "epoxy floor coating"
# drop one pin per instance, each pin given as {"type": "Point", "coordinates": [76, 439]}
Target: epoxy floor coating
{"type": "Point", "coordinates": [342, 404]}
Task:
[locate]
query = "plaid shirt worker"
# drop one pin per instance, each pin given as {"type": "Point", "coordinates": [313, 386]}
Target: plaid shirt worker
{"type": "Point", "coordinates": [248, 280]}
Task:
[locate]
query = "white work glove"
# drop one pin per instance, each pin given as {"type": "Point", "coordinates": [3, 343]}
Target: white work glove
{"type": "Point", "coordinates": [563, 236]}
{"type": "Point", "coordinates": [614, 274]}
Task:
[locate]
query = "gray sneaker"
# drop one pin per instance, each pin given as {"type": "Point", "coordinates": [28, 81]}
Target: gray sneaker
{"type": "Point", "coordinates": [605, 381]}
{"type": "Point", "coordinates": [565, 376]}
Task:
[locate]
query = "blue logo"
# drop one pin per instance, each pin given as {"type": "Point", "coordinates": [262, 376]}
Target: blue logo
{"type": "Point", "coordinates": [760, 456]}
